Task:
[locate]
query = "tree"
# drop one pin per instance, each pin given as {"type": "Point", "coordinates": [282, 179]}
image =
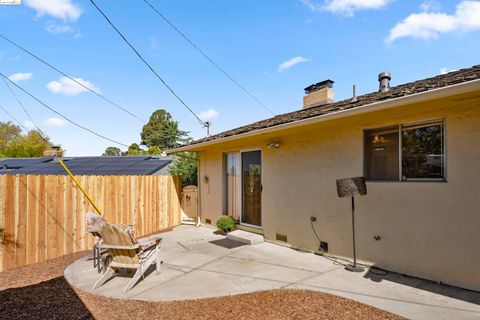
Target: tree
{"type": "Point", "coordinates": [8, 133]}
{"type": "Point", "coordinates": [135, 150]}
{"type": "Point", "coordinates": [186, 167]}
{"type": "Point", "coordinates": [112, 152]}
{"type": "Point", "coordinates": [14, 144]}
{"type": "Point", "coordinates": [162, 131]}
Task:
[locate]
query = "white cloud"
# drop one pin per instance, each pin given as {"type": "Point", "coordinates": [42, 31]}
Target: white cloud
{"type": "Point", "coordinates": [29, 125]}
{"type": "Point", "coordinates": [430, 6]}
{"type": "Point", "coordinates": [54, 28]}
{"type": "Point", "coordinates": [208, 115]}
{"type": "Point", "coordinates": [344, 7]}
{"type": "Point", "coordinates": [290, 63]}
{"type": "Point", "coordinates": [21, 76]}
{"type": "Point", "coordinates": [429, 25]}
{"type": "Point", "coordinates": [446, 70]}
{"type": "Point", "coordinates": [54, 122]}
{"type": "Point", "coordinates": [68, 87]}
{"type": "Point", "coordinates": [61, 9]}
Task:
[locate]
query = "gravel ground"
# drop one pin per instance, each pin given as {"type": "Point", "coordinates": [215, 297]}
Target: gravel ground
{"type": "Point", "coordinates": [40, 291]}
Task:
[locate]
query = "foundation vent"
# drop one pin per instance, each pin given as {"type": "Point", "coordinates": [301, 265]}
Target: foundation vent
{"type": "Point", "coordinates": [208, 221]}
{"type": "Point", "coordinates": [281, 237]}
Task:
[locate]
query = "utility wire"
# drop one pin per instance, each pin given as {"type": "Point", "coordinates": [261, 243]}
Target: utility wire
{"type": "Point", "coordinates": [73, 79]}
{"type": "Point", "coordinates": [147, 64]}
{"type": "Point", "coordinates": [15, 119]}
{"type": "Point", "coordinates": [21, 105]}
{"type": "Point", "coordinates": [38, 130]}
{"type": "Point", "coordinates": [209, 59]}
{"type": "Point", "coordinates": [60, 114]}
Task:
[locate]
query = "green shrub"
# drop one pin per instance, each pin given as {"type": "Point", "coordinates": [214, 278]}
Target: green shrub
{"type": "Point", "coordinates": [226, 224]}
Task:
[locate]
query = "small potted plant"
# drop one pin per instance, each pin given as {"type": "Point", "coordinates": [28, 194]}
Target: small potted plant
{"type": "Point", "coordinates": [226, 224]}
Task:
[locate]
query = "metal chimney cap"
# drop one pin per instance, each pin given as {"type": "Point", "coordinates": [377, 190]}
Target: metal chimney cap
{"type": "Point", "coordinates": [385, 75]}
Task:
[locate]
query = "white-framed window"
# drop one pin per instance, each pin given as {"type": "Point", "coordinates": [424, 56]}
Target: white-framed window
{"type": "Point", "coordinates": [406, 152]}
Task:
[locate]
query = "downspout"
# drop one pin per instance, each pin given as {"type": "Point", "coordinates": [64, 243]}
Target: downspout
{"type": "Point", "coordinates": [199, 206]}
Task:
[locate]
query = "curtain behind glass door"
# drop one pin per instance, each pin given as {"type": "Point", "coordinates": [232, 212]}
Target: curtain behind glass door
{"type": "Point", "coordinates": [252, 187]}
{"type": "Point", "coordinates": [233, 185]}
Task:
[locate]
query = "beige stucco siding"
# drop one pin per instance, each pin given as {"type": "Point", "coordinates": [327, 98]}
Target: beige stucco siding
{"type": "Point", "coordinates": [427, 229]}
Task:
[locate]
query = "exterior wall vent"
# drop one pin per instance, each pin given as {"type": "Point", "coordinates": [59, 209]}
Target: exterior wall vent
{"type": "Point", "coordinates": [208, 221]}
{"type": "Point", "coordinates": [281, 237]}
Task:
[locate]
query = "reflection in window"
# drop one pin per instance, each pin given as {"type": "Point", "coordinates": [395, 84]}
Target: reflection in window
{"type": "Point", "coordinates": [422, 152]}
{"type": "Point", "coordinates": [381, 152]}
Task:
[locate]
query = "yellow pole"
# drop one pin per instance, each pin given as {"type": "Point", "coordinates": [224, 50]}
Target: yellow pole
{"type": "Point", "coordinates": [79, 186]}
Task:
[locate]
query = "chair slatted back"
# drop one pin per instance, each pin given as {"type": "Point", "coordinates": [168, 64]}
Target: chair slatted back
{"type": "Point", "coordinates": [111, 235]}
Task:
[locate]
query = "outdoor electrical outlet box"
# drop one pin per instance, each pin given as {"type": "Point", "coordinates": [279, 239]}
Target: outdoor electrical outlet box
{"type": "Point", "coordinates": [323, 246]}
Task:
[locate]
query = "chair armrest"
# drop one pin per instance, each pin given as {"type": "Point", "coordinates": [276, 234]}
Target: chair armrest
{"type": "Point", "coordinates": [154, 241]}
{"type": "Point", "coordinates": [108, 246]}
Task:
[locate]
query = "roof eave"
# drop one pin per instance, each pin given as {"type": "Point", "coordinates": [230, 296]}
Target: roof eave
{"type": "Point", "coordinates": [455, 89]}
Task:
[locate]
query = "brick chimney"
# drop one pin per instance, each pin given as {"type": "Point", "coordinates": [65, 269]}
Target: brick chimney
{"type": "Point", "coordinates": [55, 151]}
{"type": "Point", "coordinates": [318, 94]}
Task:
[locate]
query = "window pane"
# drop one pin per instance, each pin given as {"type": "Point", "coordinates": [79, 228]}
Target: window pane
{"type": "Point", "coordinates": [232, 185]}
{"type": "Point", "coordinates": [423, 152]}
{"type": "Point", "coordinates": [381, 154]}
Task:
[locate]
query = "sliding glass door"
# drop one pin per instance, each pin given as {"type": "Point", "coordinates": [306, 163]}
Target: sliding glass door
{"type": "Point", "coordinates": [252, 188]}
{"type": "Point", "coordinates": [242, 188]}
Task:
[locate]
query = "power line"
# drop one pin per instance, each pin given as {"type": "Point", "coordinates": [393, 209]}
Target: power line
{"type": "Point", "coordinates": [73, 79]}
{"type": "Point", "coordinates": [21, 105]}
{"type": "Point", "coordinates": [15, 119]}
{"type": "Point", "coordinates": [209, 59]}
{"type": "Point", "coordinates": [146, 63]}
{"type": "Point", "coordinates": [60, 114]}
{"type": "Point", "coordinates": [40, 132]}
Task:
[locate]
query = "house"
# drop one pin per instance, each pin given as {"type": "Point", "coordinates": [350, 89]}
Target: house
{"type": "Point", "coordinates": [98, 166]}
{"type": "Point", "coordinates": [417, 144]}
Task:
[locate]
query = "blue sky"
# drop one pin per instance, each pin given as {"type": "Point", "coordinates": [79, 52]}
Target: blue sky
{"type": "Point", "coordinates": [273, 48]}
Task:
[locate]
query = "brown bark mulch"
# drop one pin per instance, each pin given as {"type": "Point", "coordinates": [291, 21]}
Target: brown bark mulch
{"type": "Point", "coordinates": [39, 291]}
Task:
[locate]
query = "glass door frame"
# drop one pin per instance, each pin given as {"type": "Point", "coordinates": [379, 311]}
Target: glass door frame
{"type": "Point", "coordinates": [261, 188]}
{"type": "Point", "coordinates": [240, 153]}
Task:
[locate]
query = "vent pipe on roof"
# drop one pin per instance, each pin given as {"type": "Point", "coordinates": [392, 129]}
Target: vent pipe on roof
{"type": "Point", "coordinates": [354, 99]}
{"type": "Point", "coordinates": [384, 80]}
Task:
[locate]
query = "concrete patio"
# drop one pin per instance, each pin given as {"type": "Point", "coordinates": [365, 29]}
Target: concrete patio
{"type": "Point", "coordinates": [199, 264]}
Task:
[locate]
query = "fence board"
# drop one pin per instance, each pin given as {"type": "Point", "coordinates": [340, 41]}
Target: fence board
{"type": "Point", "coordinates": [42, 217]}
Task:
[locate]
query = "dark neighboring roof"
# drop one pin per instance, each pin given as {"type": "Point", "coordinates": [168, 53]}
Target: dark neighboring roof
{"type": "Point", "coordinates": [440, 81]}
{"type": "Point", "coordinates": [98, 166]}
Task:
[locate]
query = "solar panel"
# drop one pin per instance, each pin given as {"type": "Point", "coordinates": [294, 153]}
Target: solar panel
{"type": "Point", "coordinates": [86, 165]}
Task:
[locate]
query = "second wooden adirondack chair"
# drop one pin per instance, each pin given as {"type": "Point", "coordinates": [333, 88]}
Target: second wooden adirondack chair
{"type": "Point", "coordinates": [127, 253]}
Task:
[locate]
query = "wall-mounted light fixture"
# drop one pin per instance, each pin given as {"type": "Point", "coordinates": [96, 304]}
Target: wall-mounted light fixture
{"type": "Point", "coordinates": [274, 145]}
{"type": "Point", "coordinates": [206, 179]}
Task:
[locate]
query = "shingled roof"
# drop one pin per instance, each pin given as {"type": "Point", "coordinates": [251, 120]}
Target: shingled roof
{"type": "Point", "coordinates": [448, 79]}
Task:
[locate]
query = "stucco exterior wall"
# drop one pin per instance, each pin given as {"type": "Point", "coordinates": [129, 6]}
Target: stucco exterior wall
{"type": "Point", "coordinates": [427, 229]}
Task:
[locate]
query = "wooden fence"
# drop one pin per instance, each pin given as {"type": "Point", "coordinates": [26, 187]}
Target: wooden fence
{"type": "Point", "coordinates": [42, 217]}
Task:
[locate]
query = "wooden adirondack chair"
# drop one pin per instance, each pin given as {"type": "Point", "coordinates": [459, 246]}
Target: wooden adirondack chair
{"type": "Point", "coordinates": [94, 223]}
{"type": "Point", "coordinates": [127, 254]}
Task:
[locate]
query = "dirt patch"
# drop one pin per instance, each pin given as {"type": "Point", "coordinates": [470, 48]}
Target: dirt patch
{"type": "Point", "coordinates": [39, 291]}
